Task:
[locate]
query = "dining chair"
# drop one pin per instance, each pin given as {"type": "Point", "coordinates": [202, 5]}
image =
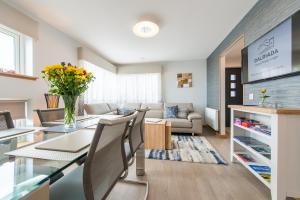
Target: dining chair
{"type": "Point", "coordinates": [103, 166]}
{"type": "Point", "coordinates": [135, 135]}
{"type": "Point", "coordinates": [6, 121]}
{"type": "Point", "coordinates": [135, 140]}
{"type": "Point", "coordinates": [48, 116]}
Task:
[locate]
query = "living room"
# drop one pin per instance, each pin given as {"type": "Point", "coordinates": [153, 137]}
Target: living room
{"type": "Point", "coordinates": [107, 99]}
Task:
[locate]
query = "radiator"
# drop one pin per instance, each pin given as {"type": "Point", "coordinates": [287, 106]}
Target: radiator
{"type": "Point", "coordinates": [212, 118]}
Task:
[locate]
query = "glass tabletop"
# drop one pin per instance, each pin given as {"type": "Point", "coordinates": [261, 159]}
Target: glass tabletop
{"type": "Point", "coordinates": [21, 175]}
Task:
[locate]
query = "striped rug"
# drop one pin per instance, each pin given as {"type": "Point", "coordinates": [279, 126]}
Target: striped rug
{"type": "Point", "coordinates": [189, 149]}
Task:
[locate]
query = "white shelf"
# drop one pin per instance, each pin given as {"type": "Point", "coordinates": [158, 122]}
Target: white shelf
{"type": "Point", "coordinates": [268, 184]}
{"type": "Point", "coordinates": [266, 136]}
{"type": "Point", "coordinates": [283, 143]}
{"type": "Point", "coordinates": [255, 153]}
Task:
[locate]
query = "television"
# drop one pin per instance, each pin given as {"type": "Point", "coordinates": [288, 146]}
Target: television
{"type": "Point", "coordinates": [274, 55]}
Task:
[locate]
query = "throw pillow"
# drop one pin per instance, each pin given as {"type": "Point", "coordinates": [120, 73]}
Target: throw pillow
{"type": "Point", "coordinates": [171, 112]}
{"type": "Point", "coordinates": [183, 113]}
{"type": "Point", "coordinates": [124, 111]}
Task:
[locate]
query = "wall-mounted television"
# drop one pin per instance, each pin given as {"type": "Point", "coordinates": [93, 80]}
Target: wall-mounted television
{"type": "Point", "coordinates": [274, 55]}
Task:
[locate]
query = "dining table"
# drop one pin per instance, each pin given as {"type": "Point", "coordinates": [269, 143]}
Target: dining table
{"type": "Point", "coordinates": [21, 175]}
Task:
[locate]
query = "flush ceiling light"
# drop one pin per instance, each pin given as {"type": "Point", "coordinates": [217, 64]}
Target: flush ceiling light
{"type": "Point", "coordinates": [145, 29]}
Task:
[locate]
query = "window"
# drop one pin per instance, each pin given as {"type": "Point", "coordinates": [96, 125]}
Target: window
{"type": "Point", "coordinates": [120, 88]}
{"type": "Point", "coordinates": [139, 88]}
{"type": "Point", "coordinates": [103, 88]}
{"type": "Point", "coordinates": [16, 52]}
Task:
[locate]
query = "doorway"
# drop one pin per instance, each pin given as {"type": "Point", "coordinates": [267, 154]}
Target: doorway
{"type": "Point", "coordinates": [231, 91]}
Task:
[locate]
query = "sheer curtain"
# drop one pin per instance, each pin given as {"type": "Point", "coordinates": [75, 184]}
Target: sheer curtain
{"type": "Point", "coordinates": [139, 88]}
{"type": "Point", "coordinates": [122, 88]}
{"type": "Point", "coordinates": [103, 88]}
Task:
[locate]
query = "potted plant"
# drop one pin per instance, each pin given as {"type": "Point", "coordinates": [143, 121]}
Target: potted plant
{"type": "Point", "coordinates": [69, 82]}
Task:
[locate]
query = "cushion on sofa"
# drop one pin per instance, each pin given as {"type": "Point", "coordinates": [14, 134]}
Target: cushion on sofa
{"type": "Point", "coordinates": [180, 123]}
{"type": "Point", "coordinates": [156, 110]}
{"type": "Point", "coordinates": [124, 111]}
{"type": "Point", "coordinates": [189, 106]}
{"type": "Point", "coordinates": [155, 114]}
{"type": "Point", "coordinates": [183, 113]}
{"type": "Point", "coordinates": [96, 109]}
{"type": "Point", "coordinates": [171, 112]}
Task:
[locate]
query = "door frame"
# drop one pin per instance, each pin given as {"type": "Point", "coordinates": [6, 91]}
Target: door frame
{"type": "Point", "coordinates": [222, 66]}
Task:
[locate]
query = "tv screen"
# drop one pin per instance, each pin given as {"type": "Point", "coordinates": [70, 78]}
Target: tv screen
{"type": "Point", "coordinates": [274, 55]}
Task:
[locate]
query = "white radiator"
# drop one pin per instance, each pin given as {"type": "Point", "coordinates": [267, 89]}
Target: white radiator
{"type": "Point", "coordinates": [212, 118]}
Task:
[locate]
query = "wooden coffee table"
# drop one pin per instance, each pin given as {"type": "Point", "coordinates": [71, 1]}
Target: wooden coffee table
{"type": "Point", "coordinates": [157, 135]}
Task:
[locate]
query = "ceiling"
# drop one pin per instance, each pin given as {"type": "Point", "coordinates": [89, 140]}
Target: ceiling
{"type": "Point", "coordinates": [189, 29]}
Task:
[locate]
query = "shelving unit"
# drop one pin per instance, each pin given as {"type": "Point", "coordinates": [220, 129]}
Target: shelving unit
{"type": "Point", "coordinates": [252, 171]}
{"type": "Point", "coordinates": [283, 142]}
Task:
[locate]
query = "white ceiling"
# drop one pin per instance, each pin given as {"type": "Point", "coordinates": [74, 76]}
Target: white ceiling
{"type": "Point", "coordinates": [189, 29]}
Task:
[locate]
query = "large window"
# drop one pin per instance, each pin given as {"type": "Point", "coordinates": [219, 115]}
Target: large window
{"type": "Point", "coordinates": [16, 52]}
{"type": "Point", "coordinates": [139, 88]}
{"type": "Point", "coordinates": [103, 88]}
{"type": "Point", "coordinates": [121, 88]}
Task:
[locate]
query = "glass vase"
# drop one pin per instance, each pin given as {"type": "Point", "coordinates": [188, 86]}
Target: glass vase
{"type": "Point", "coordinates": [70, 104]}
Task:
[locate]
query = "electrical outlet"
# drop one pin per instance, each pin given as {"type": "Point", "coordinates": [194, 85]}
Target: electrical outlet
{"type": "Point", "coordinates": [251, 96]}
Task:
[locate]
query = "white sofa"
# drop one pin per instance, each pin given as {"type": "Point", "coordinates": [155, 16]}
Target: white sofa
{"type": "Point", "coordinates": [191, 124]}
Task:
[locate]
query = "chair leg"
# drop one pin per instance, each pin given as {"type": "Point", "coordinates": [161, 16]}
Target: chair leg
{"type": "Point", "coordinates": [124, 175]}
{"type": "Point", "coordinates": [138, 183]}
{"type": "Point", "coordinates": [131, 161]}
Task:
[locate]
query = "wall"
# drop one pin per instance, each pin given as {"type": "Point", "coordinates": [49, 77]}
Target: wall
{"type": "Point", "coordinates": [195, 94]}
{"type": "Point", "coordinates": [140, 68]}
{"type": "Point", "coordinates": [169, 70]}
{"type": "Point", "coordinates": [51, 47]}
{"type": "Point", "coordinates": [265, 15]}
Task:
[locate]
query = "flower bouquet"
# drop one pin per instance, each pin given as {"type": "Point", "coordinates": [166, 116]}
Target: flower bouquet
{"type": "Point", "coordinates": [69, 82]}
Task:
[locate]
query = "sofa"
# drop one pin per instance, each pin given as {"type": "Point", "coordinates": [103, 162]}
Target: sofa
{"type": "Point", "coordinates": [192, 123]}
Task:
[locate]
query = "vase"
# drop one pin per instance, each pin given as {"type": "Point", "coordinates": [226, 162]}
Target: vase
{"type": "Point", "coordinates": [70, 104]}
{"type": "Point", "coordinates": [262, 102]}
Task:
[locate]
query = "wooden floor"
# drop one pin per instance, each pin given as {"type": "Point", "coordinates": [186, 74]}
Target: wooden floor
{"type": "Point", "coordinates": [173, 180]}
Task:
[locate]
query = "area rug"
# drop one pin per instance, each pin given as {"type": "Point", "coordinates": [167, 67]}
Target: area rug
{"type": "Point", "coordinates": [189, 149]}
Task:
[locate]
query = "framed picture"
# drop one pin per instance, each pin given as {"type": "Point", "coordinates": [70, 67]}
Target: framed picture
{"type": "Point", "coordinates": [184, 80]}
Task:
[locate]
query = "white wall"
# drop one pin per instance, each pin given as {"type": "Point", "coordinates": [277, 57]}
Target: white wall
{"type": "Point", "coordinates": [195, 94]}
{"type": "Point", "coordinates": [140, 68]}
{"type": "Point", "coordinates": [52, 47]}
{"type": "Point", "coordinates": [170, 92]}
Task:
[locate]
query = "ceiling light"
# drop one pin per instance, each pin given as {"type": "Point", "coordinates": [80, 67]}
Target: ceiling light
{"type": "Point", "coordinates": [145, 29]}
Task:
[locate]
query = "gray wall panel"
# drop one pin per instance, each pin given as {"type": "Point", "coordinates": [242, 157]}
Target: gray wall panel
{"type": "Point", "coordinates": [265, 15]}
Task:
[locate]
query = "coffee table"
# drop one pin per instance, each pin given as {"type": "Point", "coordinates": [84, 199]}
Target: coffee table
{"type": "Point", "coordinates": [157, 134]}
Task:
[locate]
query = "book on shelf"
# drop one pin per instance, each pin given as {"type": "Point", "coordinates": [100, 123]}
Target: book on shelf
{"type": "Point", "coordinates": [263, 171]}
{"type": "Point", "coordinates": [263, 149]}
{"type": "Point", "coordinates": [260, 168]}
{"type": "Point", "coordinates": [266, 176]}
{"type": "Point", "coordinates": [256, 145]}
{"type": "Point", "coordinates": [245, 157]}
{"type": "Point", "coordinates": [247, 140]}
{"type": "Point", "coordinates": [253, 124]}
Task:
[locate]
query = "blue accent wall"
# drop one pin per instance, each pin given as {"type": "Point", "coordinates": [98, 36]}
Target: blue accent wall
{"type": "Point", "coordinates": [264, 16]}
